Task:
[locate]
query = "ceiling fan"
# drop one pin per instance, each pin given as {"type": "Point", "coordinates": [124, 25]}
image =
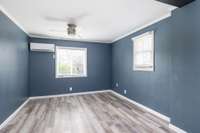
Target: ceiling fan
{"type": "Point", "coordinates": [71, 29]}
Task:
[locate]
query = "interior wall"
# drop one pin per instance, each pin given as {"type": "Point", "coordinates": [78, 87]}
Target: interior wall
{"type": "Point", "coordinates": [173, 89]}
{"type": "Point", "coordinates": [42, 69]}
{"type": "Point", "coordinates": [13, 67]}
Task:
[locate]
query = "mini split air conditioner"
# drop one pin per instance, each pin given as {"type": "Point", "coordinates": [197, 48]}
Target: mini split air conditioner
{"type": "Point", "coordinates": [42, 47]}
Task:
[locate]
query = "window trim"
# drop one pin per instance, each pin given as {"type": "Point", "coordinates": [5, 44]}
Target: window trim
{"type": "Point", "coordinates": [150, 69]}
{"type": "Point", "coordinates": [70, 76]}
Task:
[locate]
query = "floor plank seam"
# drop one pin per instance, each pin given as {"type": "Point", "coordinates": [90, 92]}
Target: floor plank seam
{"type": "Point", "coordinates": [93, 112]}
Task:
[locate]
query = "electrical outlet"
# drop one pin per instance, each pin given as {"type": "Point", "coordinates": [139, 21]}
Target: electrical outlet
{"type": "Point", "coordinates": [117, 84]}
{"type": "Point", "coordinates": [125, 91]}
{"type": "Point", "coordinates": [70, 89]}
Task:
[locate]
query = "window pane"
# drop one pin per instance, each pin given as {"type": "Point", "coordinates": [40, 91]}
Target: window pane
{"type": "Point", "coordinates": [139, 59]}
{"type": "Point", "coordinates": [147, 58]}
{"type": "Point", "coordinates": [139, 45]}
{"type": "Point", "coordinates": [147, 45]}
{"type": "Point", "coordinates": [64, 67]}
{"type": "Point", "coordinates": [143, 44]}
{"type": "Point", "coordinates": [78, 62]}
{"type": "Point", "coordinates": [143, 51]}
{"type": "Point", "coordinates": [70, 62]}
{"type": "Point", "coordinates": [143, 58]}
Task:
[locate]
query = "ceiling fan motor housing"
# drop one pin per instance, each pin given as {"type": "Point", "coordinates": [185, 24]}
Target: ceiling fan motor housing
{"type": "Point", "coordinates": [71, 30]}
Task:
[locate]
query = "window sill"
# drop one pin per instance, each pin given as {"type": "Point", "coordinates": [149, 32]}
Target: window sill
{"type": "Point", "coordinates": [144, 69]}
{"type": "Point", "coordinates": [81, 76]}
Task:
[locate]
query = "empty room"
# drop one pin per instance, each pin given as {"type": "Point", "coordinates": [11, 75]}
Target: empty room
{"type": "Point", "coordinates": [99, 66]}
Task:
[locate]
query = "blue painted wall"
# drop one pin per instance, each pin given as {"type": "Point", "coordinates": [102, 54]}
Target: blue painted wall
{"type": "Point", "coordinates": [13, 67]}
{"type": "Point", "coordinates": [174, 88]}
{"type": "Point", "coordinates": [42, 69]}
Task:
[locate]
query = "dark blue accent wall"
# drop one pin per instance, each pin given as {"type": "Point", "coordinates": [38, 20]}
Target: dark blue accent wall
{"type": "Point", "coordinates": [13, 67]}
{"type": "Point", "coordinates": [174, 88]}
{"type": "Point", "coordinates": [42, 69]}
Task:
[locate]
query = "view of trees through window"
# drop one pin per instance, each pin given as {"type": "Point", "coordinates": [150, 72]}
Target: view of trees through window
{"type": "Point", "coordinates": [70, 62]}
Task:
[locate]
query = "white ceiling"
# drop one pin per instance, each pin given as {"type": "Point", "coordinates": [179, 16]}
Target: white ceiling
{"type": "Point", "coordinates": [97, 20]}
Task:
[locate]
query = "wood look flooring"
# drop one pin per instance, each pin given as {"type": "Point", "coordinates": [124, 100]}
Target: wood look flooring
{"type": "Point", "coordinates": [91, 113]}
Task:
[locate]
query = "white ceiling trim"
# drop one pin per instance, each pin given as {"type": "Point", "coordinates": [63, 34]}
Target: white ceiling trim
{"type": "Point", "coordinates": [142, 27]}
{"type": "Point", "coordinates": [13, 19]}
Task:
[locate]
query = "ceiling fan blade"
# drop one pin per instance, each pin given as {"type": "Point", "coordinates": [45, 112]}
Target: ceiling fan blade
{"type": "Point", "coordinates": [62, 20]}
{"type": "Point", "coordinates": [61, 33]}
{"type": "Point", "coordinates": [54, 30]}
{"type": "Point", "coordinates": [80, 17]}
{"type": "Point", "coordinates": [72, 19]}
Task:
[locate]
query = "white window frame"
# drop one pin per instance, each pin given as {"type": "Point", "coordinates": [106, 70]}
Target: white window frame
{"type": "Point", "coordinates": [70, 76]}
{"type": "Point", "coordinates": [144, 68]}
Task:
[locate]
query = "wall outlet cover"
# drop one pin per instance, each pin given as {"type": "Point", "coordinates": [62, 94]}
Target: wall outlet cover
{"type": "Point", "coordinates": [117, 84]}
{"type": "Point", "coordinates": [125, 91]}
{"type": "Point", "coordinates": [70, 89]}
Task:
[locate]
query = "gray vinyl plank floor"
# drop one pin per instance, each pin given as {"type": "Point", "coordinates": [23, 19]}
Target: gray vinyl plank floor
{"type": "Point", "coordinates": [91, 113]}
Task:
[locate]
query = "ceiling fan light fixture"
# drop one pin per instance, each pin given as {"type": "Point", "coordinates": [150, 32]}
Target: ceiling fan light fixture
{"type": "Point", "coordinates": [71, 29]}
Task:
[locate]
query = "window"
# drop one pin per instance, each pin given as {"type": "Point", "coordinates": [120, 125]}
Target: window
{"type": "Point", "coordinates": [143, 52]}
{"type": "Point", "coordinates": [71, 62]}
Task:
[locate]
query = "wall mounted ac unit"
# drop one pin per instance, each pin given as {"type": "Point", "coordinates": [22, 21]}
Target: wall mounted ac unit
{"type": "Point", "coordinates": [42, 47]}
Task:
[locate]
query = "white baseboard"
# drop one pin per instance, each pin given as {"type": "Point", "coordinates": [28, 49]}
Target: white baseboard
{"type": "Point", "coordinates": [43, 97]}
{"type": "Point", "coordinates": [176, 129]}
{"type": "Point", "coordinates": [68, 94]}
{"type": "Point", "coordinates": [171, 126]}
{"type": "Point", "coordinates": [13, 114]}
{"type": "Point", "coordinates": [165, 118]}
